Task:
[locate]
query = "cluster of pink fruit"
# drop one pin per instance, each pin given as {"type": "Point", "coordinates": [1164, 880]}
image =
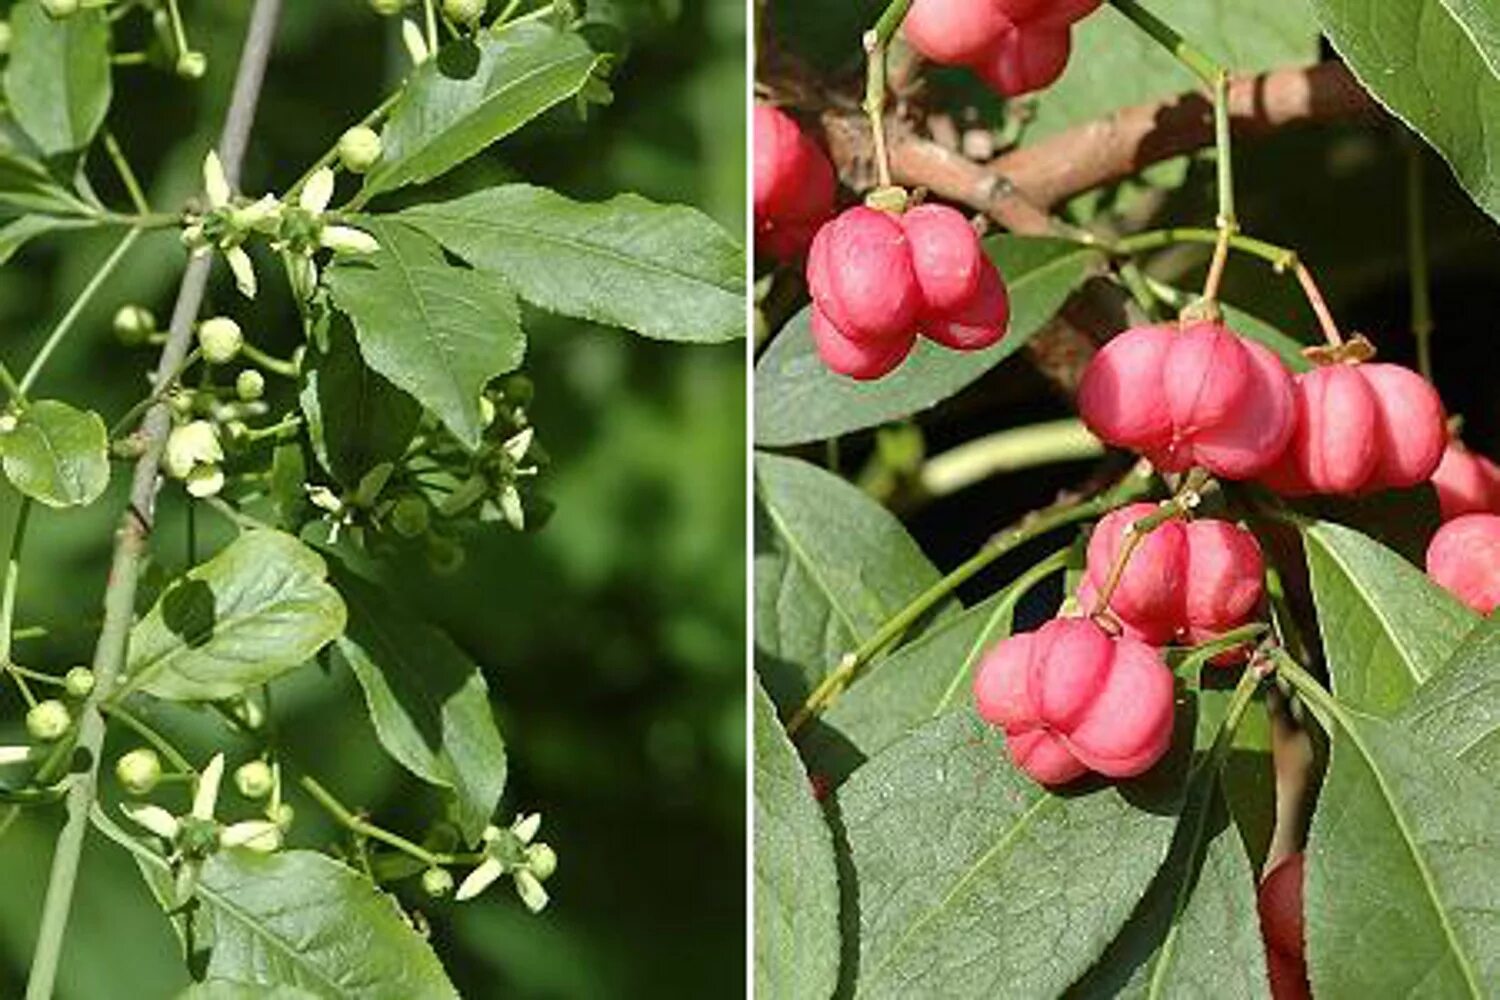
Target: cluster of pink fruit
{"type": "Point", "coordinates": [1464, 555]}
{"type": "Point", "coordinates": [1015, 46]}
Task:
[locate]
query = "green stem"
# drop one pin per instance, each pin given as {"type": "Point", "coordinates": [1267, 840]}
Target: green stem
{"type": "Point", "coordinates": [1197, 63]}
{"type": "Point", "coordinates": [157, 395]}
{"type": "Point", "coordinates": [271, 363]}
{"type": "Point", "coordinates": [1416, 244]}
{"type": "Point", "coordinates": [162, 745]}
{"type": "Point", "coordinates": [331, 154]}
{"type": "Point", "coordinates": [127, 175]}
{"type": "Point", "coordinates": [1033, 526]}
{"type": "Point", "coordinates": [362, 827]}
{"type": "Point", "coordinates": [34, 371]}
{"type": "Point", "coordinates": [1007, 451]}
{"type": "Point", "coordinates": [12, 579]}
{"type": "Point", "coordinates": [876, 41]}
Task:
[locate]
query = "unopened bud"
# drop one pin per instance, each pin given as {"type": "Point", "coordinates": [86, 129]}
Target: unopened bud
{"type": "Point", "coordinates": [192, 65]}
{"type": "Point", "coordinates": [466, 12]}
{"type": "Point", "coordinates": [139, 770]}
{"type": "Point", "coordinates": [79, 681]}
{"type": "Point", "coordinates": [220, 338]}
{"type": "Point", "coordinates": [409, 517]}
{"type": "Point", "coordinates": [60, 8]}
{"type": "Point", "coordinates": [134, 325]}
{"type": "Point", "coordinates": [254, 779]}
{"type": "Point", "coordinates": [249, 385]}
{"type": "Point", "coordinates": [48, 720]}
{"type": "Point", "coordinates": [437, 882]}
{"type": "Point", "coordinates": [359, 149]}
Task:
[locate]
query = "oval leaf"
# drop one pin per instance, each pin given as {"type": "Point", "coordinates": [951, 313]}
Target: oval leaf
{"type": "Point", "coordinates": [1458, 711]}
{"type": "Point", "coordinates": [1432, 65]}
{"type": "Point", "coordinates": [831, 566]}
{"type": "Point", "coordinates": [254, 611]}
{"type": "Point", "coordinates": [58, 455]}
{"type": "Point", "coordinates": [355, 418]}
{"type": "Point", "coordinates": [974, 881]}
{"type": "Point", "coordinates": [1386, 628]}
{"type": "Point", "coordinates": [437, 331]}
{"type": "Point", "coordinates": [58, 80]}
{"type": "Point", "coordinates": [473, 94]}
{"type": "Point", "coordinates": [428, 701]}
{"type": "Point", "coordinates": [796, 887]}
{"type": "Point", "coordinates": [1402, 863]}
{"type": "Point", "coordinates": [664, 271]}
{"type": "Point", "coordinates": [797, 399]}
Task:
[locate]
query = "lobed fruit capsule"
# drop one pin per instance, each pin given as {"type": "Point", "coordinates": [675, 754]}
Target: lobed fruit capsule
{"type": "Point", "coordinates": [878, 280]}
{"type": "Point", "coordinates": [1464, 559]}
{"type": "Point", "coordinates": [1361, 428]}
{"type": "Point", "coordinates": [1016, 46]}
{"type": "Point", "coordinates": [1073, 699]}
{"type": "Point", "coordinates": [1198, 395]}
{"type": "Point", "coordinates": [794, 186]}
{"type": "Point", "coordinates": [1279, 902]}
{"type": "Point", "coordinates": [1466, 483]}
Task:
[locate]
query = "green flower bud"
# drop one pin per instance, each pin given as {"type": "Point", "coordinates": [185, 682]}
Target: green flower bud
{"type": "Point", "coordinates": [254, 779]}
{"type": "Point", "coordinates": [220, 339]}
{"type": "Point", "coordinates": [444, 556]}
{"type": "Point", "coordinates": [464, 11]}
{"type": "Point", "coordinates": [359, 149]}
{"type": "Point", "coordinates": [437, 882]}
{"type": "Point", "coordinates": [486, 410]}
{"type": "Point", "coordinates": [4, 38]}
{"type": "Point", "coordinates": [192, 65]}
{"type": "Point", "coordinates": [134, 325]}
{"type": "Point", "coordinates": [409, 517]}
{"type": "Point", "coordinates": [48, 720]}
{"type": "Point", "coordinates": [542, 861]}
{"type": "Point", "coordinates": [79, 682]}
{"type": "Point", "coordinates": [190, 446]}
{"type": "Point", "coordinates": [139, 770]}
{"type": "Point", "coordinates": [281, 814]}
{"type": "Point", "coordinates": [518, 389]}
{"type": "Point", "coordinates": [387, 8]}
{"type": "Point", "coordinates": [60, 8]}
{"type": "Point", "coordinates": [249, 385]}
{"type": "Point", "coordinates": [204, 481]}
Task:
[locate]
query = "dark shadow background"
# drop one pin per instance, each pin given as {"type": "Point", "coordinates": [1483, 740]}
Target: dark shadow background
{"type": "Point", "coordinates": [613, 640]}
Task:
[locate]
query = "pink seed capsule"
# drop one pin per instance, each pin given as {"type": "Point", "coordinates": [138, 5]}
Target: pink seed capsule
{"type": "Point", "coordinates": [1464, 559]}
{"type": "Point", "coordinates": [794, 185]}
{"type": "Point", "coordinates": [1026, 58]}
{"type": "Point", "coordinates": [1466, 483]}
{"type": "Point", "coordinates": [861, 276]}
{"type": "Point", "coordinates": [862, 361]}
{"type": "Point", "coordinates": [954, 32]}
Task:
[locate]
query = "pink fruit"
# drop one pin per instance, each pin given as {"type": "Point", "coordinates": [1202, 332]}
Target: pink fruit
{"type": "Point", "coordinates": [862, 361]}
{"type": "Point", "coordinates": [860, 274]}
{"type": "Point", "coordinates": [1464, 559]}
{"type": "Point", "coordinates": [1058, 12]}
{"type": "Point", "coordinates": [954, 32]}
{"type": "Point", "coordinates": [980, 324]}
{"type": "Point", "coordinates": [946, 256]}
{"type": "Point", "coordinates": [1360, 428]}
{"type": "Point", "coordinates": [1026, 58]}
{"type": "Point", "coordinates": [1279, 902]}
{"type": "Point", "coordinates": [1466, 483]}
{"type": "Point", "coordinates": [1185, 582]}
{"type": "Point", "coordinates": [1073, 699]}
{"type": "Point", "coordinates": [1201, 395]}
{"type": "Point", "coordinates": [794, 185]}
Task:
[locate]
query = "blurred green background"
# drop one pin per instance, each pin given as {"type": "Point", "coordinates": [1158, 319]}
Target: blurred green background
{"type": "Point", "coordinates": [612, 640]}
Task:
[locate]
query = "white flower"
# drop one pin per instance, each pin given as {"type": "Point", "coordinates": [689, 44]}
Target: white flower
{"type": "Point", "coordinates": [189, 446]}
{"type": "Point", "coordinates": [14, 755]}
{"type": "Point", "coordinates": [416, 45]}
{"type": "Point", "coordinates": [205, 481]}
{"type": "Point", "coordinates": [347, 239]}
{"type": "Point", "coordinates": [260, 835]}
{"type": "Point", "coordinates": [154, 818]}
{"type": "Point", "coordinates": [206, 793]}
{"type": "Point", "coordinates": [215, 182]}
{"type": "Point", "coordinates": [244, 270]}
{"type": "Point", "coordinates": [529, 888]}
{"type": "Point", "coordinates": [520, 444]}
{"type": "Point", "coordinates": [318, 191]}
{"type": "Point", "coordinates": [480, 879]}
{"type": "Point", "coordinates": [526, 827]}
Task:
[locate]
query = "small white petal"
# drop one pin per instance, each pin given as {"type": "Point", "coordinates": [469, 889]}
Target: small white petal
{"type": "Point", "coordinates": [207, 793]}
{"type": "Point", "coordinates": [204, 481]}
{"type": "Point", "coordinates": [512, 508]}
{"type": "Point", "coordinates": [214, 181]}
{"type": "Point", "coordinates": [256, 834]}
{"type": "Point", "coordinates": [416, 45]}
{"type": "Point", "coordinates": [318, 191]}
{"type": "Point", "coordinates": [154, 818]}
{"type": "Point", "coordinates": [479, 879]}
{"type": "Point", "coordinates": [260, 214]}
{"type": "Point", "coordinates": [518, 446]}
{"type": "Point", "coordinates": [14, 755]}
{"type": "Point", "coordinates": [347, 239]}
{"type": "Point", "coordinates": [244, 271]}
{"type": "Point", "coordinates": [526, 827]}
{"type": "Point", "coordinates": [530, 889]}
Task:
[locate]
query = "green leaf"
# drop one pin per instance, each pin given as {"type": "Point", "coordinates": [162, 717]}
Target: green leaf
{"type": "Point", "coordinates": [58, 80]}
{"type": "Point", "coordinates": [1402, 520]}
{"type": "Point", "coordinates": [1386, 628]}
{"type": "Point", "coordinates": [831, 566]}
{"type": "Point", "coordinates": [355, 418]}
{"type": "Point", "coordinates": [922, 680]}
{"type": "Point", "coordinates": [974, 881]}
{"type": "Point", "coordinates": [254, 611]}
{"type": "Point", "coordinates": [57, 455]}
{"type": "Point", "coordinates": [26, 186]}
{"type": "Point", "coordinates": [1458, 711]}
{"type": "Point", "coordinates": [18, 233]}
{"type": "Point", "coordinates": [436, 331]}
{"type": "Point", "coordinates": [797, 399]}
{"type": "Point", "coordinates": [224, 989]}
{"type": "Point", "coordinates": [1115, 64]}
{"type": "Point", "coordinates": [1286, 347]}
{"type": "Point", "coordinates": [664, 271]}
{"type": "Point", "coordinates": [471, 95]}
{"type": "Point", "coordinates": [1403, 861]}
{"type": "Point", "coordinates": [428, 701]}
{"type": "Point", "coordinates": [796, 886]}
{"type": "Point", "coordinates": [1425, 60]}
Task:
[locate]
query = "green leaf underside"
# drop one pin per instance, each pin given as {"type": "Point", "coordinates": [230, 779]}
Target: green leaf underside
{"type": "Point", "coordinates": [1458, 711]}
{"type": "Point", "coordinates": [1425, 61]}
{"type": "Point", "coordinates": [920, 681]}
{"type": "Point", "coordinates": [665, 271]}
{"type": "Point", "coordinates": [796, 886]}
{"type": "Point", "coordinates": [1403, 870]}
{"type": "Point", "coordinates": [428, 701]}
{"type": "Point", "coordinates": [26, 186]}
{"type": "Point", "coordinates": [57, 455]}
{"type": "Point", "coordinates": [298, 923]}
{"type": "Point", "coordinates": [459, 103]}
{"type": "Point", "coordinates": [831, 566]}
{"type": "Point", "coordinates": [972, 880]}
{"type": "Point", "coordinates": [255, 610]}
{"type": "Point", "coordinates": [356, 419]}
{"type": "Point", "coordinates": [15, 235]}
{"type": "Point", "coordinates": [1386, 627]}
{"type": "Point", "coordinates": [797, 399]}
{"type": "Point", "coordinates": [435, 331]}
{"type": "Point", "coordinates": [58, 82]}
